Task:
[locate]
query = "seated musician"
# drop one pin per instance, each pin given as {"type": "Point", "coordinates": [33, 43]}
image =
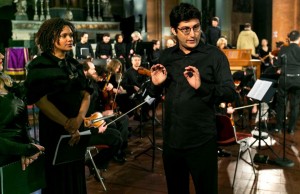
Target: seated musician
{"type": "Point", "coordinates": [133, 82]}
{"type": "Point", "coordinates": [224, 109]}
{"type": "Point", "coordinates": [15, 142]}
{"type": "Point", "coordinates": [116, 130]}
{"type": "Point", "coordinates": [244, 81]}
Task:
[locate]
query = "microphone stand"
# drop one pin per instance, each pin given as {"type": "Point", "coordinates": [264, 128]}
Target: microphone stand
{"type": "Point", "coordinates": [284, 161]}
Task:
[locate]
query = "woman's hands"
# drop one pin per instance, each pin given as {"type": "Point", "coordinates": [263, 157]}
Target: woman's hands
{"type": "Point", "coordinates": [26, 160]}
{"type": "Point", "coordinates": [72, 126]}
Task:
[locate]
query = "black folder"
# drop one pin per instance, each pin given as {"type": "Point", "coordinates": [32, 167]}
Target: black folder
{"type": "Point", "coordinates": [17, 181]}
{"type": "Point", "coordinates": [65, 153]}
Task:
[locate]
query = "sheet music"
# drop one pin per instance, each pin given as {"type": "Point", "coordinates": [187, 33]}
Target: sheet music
{"type": "Point", "coordinates": [85, 52]}
{"type": "Point", "coordinates": [259, 89]}
{"type": "Point", "coordinates": [149, 100]}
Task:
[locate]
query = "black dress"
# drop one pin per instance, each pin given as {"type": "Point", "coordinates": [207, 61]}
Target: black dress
{"type": "Point", "coordinates": [63, 82]}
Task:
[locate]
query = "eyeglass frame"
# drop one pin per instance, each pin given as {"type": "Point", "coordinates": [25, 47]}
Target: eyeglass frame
{"type": "Point", "coordinates": [187, 30]}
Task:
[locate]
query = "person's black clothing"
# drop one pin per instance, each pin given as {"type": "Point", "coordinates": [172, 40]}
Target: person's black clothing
{"type": "Point", "coordinates": [103, 48]}
{"type": "Point", "coordinates": [291, 86]}
{"type": "Point", "coordinates": [213, 34]}
{"type": "Point", "coordinates": [188, 109]}
{"type": "Point", "coordinates": [63, 81]}
{"type": "Point", "coordinates": [264, 54]}
{"type": "Point", "coordinates": [130, 79]}
{"type": "Point", "coordinates": [154, 57]}
{"type": "Point", "coordinates": [14, 139]}
{"type": "Point", "coordinates": [122, 56]}
{"type": "Point", "coordinates": [79, 47]}
{"type": "Point", "coordinates": [198, 160]}
{"type": "Point", "coordinates": [189, 131]}
{"type": "Point", "coordinates": [120, 49]}
{"type": "Point", "coordinates": [111, 136]}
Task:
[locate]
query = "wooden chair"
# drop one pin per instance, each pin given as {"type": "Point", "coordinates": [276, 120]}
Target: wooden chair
{"type": "Point", "coordinates": [227, 135]}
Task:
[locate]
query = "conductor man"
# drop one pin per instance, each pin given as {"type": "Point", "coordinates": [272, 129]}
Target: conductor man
{"type": "Point", "coordinates": [195, 77]}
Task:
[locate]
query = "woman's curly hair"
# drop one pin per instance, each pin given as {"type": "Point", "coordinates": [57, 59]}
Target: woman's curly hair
{"type": "Point", "coordinates": [49, 32]}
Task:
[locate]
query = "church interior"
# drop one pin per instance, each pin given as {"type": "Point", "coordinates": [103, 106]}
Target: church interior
{"type": "Point", "coordinates": [143, 172]}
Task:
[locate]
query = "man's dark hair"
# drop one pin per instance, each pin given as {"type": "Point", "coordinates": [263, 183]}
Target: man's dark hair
{"type": "Point", "coordinates": [106, 34]}
{"type": "Point", "coordinates": [294, 35]}
{"type": "Point", "coordinates": [85, 65]}
{"type": "Point", "coordinates": [183, 12]}
{"type": "Point", "coordinates": [49, 32]}
{"type": "Point", "coordinates": [117, 36]}
{"type": "Point", "coordinates": [82, 34]}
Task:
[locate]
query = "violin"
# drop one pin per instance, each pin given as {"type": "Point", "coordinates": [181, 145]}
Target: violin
{"type": "Point", "coordinates": [108, 96]}
{"type": "Point", "coordinates": [96, 120]}
{"type": "Point", "coordinates": [144, 71]}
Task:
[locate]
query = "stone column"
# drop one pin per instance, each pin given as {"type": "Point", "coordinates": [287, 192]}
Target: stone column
{"type": "Point", "coordinates": [47, 10]}
{"type": "Point", "coordinates": [36, 16]}
{"type": "Point", "coordinates": [88, 18]}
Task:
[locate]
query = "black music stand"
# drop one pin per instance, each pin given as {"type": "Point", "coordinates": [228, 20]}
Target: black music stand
{"type": "Point", "coordinates": [145, 49]}
{"type": "Point", "coordinates": [153, 146]}
{"type": "Point", "coordinates": [262, 91]}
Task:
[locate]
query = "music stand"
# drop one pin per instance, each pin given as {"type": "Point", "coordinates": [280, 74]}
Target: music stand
{"type": "Point", "coordinates": [284, 161]}
{"type": "Point", "coordinates": [145, 49]}
{"type": "Point", "coordinates": [153, 146]}
{"type": "Point", "coordinates": [262, 91]}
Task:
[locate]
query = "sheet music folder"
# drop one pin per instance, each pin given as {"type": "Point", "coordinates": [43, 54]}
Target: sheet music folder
{"type": "Point", "coordinates": [262, 91]}
{"type": "Point", "coordinates": [14, 180]}
{"type": "Point", "coordinates": [65, 153]}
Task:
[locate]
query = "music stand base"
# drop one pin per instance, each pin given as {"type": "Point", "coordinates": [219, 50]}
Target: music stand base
{"type": "Point", "coordinates": [284, 162]}
{"type": "Point", "coordinates": [259, 158]}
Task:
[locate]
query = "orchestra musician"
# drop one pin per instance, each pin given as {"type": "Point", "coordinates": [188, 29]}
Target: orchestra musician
{"type": "Point", "coordinates": [289, 82]}
{"type": "Point", "coordinates": [107, 87]}
{"type": "Point", "coordinates": [111, 136]}
{"type": "Point", "coordinates": [133, 82]}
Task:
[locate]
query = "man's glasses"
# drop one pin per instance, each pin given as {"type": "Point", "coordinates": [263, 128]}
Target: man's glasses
{"type": "Point", "coordinates": [187, 30]}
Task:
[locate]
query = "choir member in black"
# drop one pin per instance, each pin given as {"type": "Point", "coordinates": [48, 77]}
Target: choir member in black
{"type": "Point", "coordinates": [56, 84]}
{"type": "Point", "coordinates": [104, 48]}
{"type": "Point", "coordinates": [15, 143]}
{"type": "Point", "coordinates": [154, 56]}
{"type": "Point", "coordinates": [120, 49]}
{"type": "Point", "coordinates": [83, 48]}
{"type": "Point", "coordinates": [132, 47]}
{"type": "Point", "coordinates": [134, 83]}
{"type": "Point", "coordinates": [213, 32]}
{"type": "Point", "coordinates": [263, 52]}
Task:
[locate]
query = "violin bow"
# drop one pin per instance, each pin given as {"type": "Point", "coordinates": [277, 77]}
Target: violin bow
{"type": "Point", "coordinates": [122, 115]}
{"type": "Point", "coordinates": [119, 81]}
